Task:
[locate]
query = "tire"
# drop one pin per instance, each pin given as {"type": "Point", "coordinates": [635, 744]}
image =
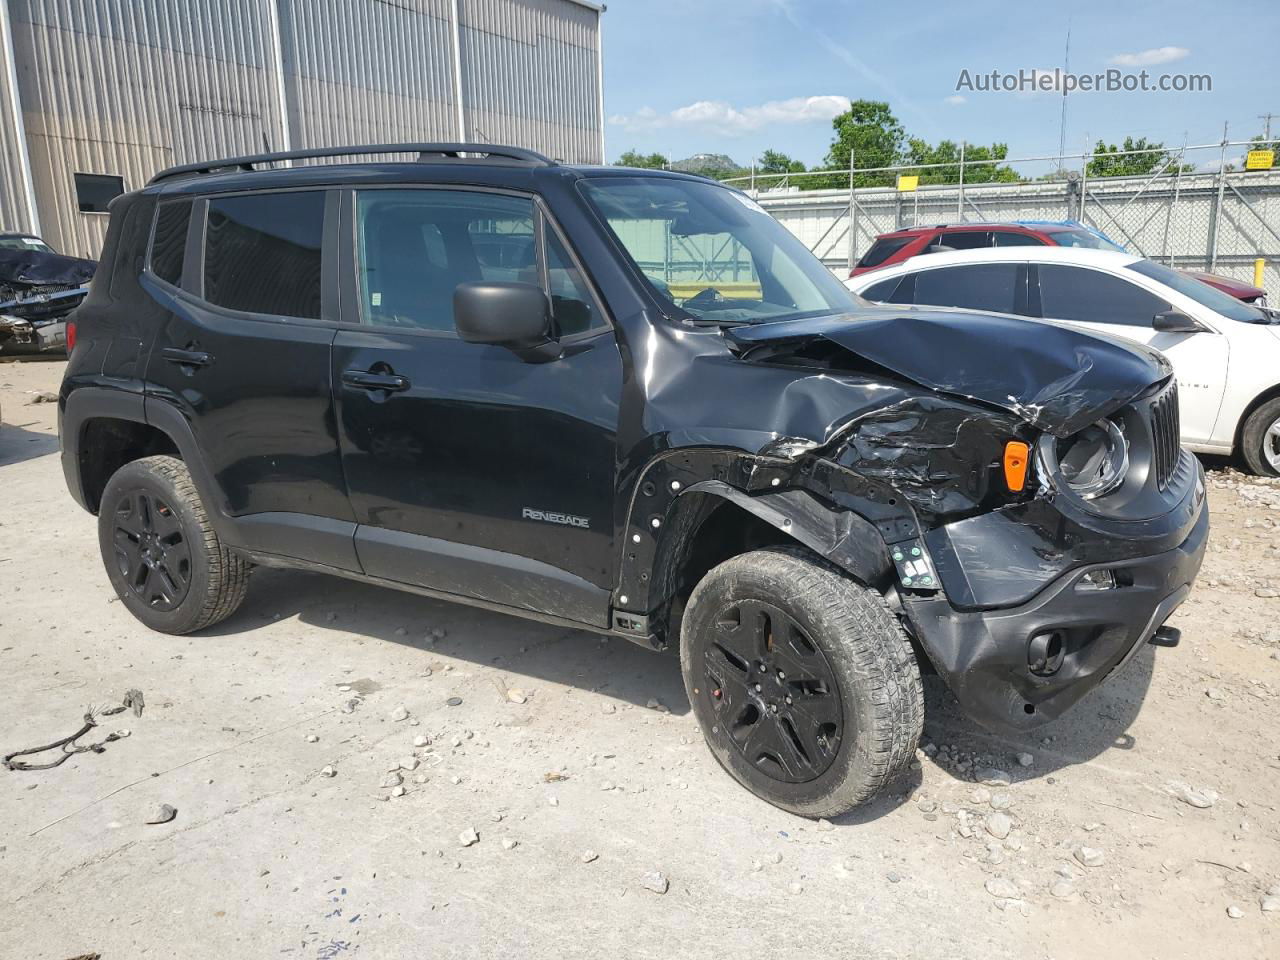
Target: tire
{"type": "Point", "coordinates": [820, 753]}
{"type": "Point", "coordinates": [162, 556]}
{"type": "Point", "coordinates": [1260, 436]}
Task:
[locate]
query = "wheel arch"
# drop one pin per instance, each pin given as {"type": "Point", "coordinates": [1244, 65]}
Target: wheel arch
{"type": "Point", "coordinates": [103, 429]}
{"type": "Point", "coordinates": [678, 530]}
{"type": "Point", "coordinates": [1237, 436]}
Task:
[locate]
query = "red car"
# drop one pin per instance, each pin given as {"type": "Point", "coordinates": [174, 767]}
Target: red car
{"type": "Point", "coordinates": [904, 244]}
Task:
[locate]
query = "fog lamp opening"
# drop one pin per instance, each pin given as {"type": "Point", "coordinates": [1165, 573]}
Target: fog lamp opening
{"type": "Point", "coordinates": [1045, 653]}
{"type": "Point", "coordinates": [1104, 579]}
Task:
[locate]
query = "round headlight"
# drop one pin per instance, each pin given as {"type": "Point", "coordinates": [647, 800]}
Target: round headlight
{"type": "Point", "coordinates": [1091, 463]}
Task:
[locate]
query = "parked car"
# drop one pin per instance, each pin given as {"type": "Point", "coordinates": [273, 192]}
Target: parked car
{"type": "Point", "coordinates": [901, 245]}
{"type": "Point", "coordinates": [354, 369]}
{"type": "Point", "coordinates": [38, 289]}
{"type": "Point", "coordinates": [1226, 353]}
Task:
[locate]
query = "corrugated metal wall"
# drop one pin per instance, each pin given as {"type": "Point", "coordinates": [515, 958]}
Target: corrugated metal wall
{"type": "Point", "coordinates": [15, 210]}
{"type": "Point", "coordinates": [530, 75]}
{"type": "Point", "coordinates": [126, 87]}
{"type": "Point", "coordinates": [362, 72]}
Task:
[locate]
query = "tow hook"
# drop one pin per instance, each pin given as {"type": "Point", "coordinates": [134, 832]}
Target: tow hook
{"type": "Point", "coordinates": [1166, 637]}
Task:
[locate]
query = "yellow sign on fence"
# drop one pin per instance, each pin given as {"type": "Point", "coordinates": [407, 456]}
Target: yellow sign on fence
{"type": "Point", "coordinates": [1259, 159]}
{"type": "Point", "coordinates": [907, 184]}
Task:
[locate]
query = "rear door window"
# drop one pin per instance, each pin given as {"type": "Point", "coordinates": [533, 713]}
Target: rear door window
{"type": "Point", "coordinates": [883, 292]}
{"type": "Point", "coordinates": [1008, 238]}
{"type": "Point", "coordinates": [990, 287]}
{"type": "Point", "coordinates": [965, 239]}
{"type": "Point", "coordinates": [262, 252]}
{"type": "Point", "coordinates": [1091, 296]}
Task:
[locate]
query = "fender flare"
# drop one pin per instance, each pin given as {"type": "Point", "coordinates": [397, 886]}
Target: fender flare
{"type": "Point", "coordinates": [678, 490]}
{"type": "Point", "coordinates": [86, 403]}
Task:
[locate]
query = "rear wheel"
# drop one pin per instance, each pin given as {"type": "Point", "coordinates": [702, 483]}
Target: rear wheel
{"type": "Point", "coordinates": [1260, 439]}
{"type": "Point", "coordinates": [805, 686]}
{"type": "Point", "coordinates": [161, 553]}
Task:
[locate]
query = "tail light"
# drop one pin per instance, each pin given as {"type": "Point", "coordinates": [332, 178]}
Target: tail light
{"type": "Point", "coordinates": [71, 336]}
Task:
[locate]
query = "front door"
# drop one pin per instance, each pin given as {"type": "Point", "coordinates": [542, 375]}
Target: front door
{"type": "Point", "coordinates": [471, 471]}
{"type": "Point", "coordinates": [1109, 304]}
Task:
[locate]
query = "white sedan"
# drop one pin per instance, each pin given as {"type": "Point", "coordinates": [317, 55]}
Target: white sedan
{"type": "Point", "coordinates": [1226, 354]}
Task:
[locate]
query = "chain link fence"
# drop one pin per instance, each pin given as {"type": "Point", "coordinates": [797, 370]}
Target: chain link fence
{"type": "Point", "coordinates": [1214, 218]}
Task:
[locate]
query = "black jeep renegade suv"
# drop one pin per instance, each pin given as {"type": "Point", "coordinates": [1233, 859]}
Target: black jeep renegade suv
{"type": "Point", "coordinates": [627, 401]}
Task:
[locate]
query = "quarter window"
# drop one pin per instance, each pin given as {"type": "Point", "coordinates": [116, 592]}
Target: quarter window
{"type": "Point", "coordinates": [1091, 296]}
{"type": "Point", "coordinates": [262, 253]}
{"type": "Point", "coordinates": [169, 244]}
{"type": "Point", "coordinates": [572, 306]}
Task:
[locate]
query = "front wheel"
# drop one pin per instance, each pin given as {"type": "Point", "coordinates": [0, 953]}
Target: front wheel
{"type": "Point", "coordinates": [804, 684]}
{"type": "Point", "coordinates": [1260, 439]}
{"type": "Point", "coordinates": [162, 555]}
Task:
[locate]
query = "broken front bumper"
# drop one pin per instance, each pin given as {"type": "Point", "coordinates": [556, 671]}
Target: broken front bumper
{"type": "Point", "coordinates": [1020, 666]}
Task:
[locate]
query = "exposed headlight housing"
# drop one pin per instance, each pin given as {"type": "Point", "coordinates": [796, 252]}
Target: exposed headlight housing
{"type": "Point", "coordinates": [1091, 463]}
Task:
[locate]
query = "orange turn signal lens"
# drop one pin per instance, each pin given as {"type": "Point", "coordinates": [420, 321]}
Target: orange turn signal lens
{"type": "Point", "coordinates": [1016, 456]}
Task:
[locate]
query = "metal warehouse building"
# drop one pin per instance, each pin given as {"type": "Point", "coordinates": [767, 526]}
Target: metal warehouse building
{"type": "Point", "coordinates": [97, 95]}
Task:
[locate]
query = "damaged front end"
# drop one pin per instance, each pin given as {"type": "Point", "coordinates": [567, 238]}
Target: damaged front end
{"type": "Point", "coordinates": [1019, 493]}
{"type": "Point", "coordinates": [37, 292]}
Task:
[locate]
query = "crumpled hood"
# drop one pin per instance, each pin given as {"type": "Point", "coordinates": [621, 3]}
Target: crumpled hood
{"type": "Point", "coordinates": [1054, 377]}
{"type": "Point", "coordinates": [36, 268]}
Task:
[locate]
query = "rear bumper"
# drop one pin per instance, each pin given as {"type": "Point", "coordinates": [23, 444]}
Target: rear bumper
{"type": "Point", "coordinates": [984, 654]}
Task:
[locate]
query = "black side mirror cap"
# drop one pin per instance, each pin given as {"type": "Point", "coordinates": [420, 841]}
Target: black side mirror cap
{"type": "Point", "coordinates": [1174, 321]}
{"type": "Point", "coordinates": [512, 315]}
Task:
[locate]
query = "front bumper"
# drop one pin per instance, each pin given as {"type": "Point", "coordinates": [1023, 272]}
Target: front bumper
{"type": "Point", "coordinates": [984, 654]}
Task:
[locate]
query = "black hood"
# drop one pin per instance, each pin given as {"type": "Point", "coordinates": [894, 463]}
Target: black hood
{"type": "Point", "coordinates": [37, 268]}
{"type": "Point", "coordinates": [1054, 377]}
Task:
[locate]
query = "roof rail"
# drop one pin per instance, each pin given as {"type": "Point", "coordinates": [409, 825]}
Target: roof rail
{"type": "Point", "coordinates": [425, 151]}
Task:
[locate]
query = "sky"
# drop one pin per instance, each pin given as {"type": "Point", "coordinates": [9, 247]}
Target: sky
{"type": "Point", "coordinates": [741, 76]}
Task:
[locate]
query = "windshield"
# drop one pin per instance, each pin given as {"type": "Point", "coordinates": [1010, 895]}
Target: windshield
{"type": "Point", "coordinates": [712, 253]}
{"type": "Point", "coordinates": [1200, 292]}
{"type": "Point", "coordinates": [1075, 237]}
{"type": "Point", "coordinates": [24, 243]}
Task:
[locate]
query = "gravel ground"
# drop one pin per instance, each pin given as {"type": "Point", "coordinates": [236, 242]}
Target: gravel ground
{"type": "Point", "coordinates": [553, 798]}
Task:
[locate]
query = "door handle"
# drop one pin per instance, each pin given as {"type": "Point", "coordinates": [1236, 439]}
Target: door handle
{"type": "Point", "coordinates": [186, 358]}
{"type": "Point", "coordinates": [367, 380]}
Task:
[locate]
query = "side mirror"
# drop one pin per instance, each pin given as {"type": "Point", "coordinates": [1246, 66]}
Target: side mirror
{"type": "Point", "coordinates": [1174, 321]}
{"type": "Point", "coordinates": [513, 315]}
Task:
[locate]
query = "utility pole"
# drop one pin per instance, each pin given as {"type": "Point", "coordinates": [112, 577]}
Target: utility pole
{"type": "Point", "coordinates": [1266, 125]}
{"type": "Point", "coordinates": [1062, 121]}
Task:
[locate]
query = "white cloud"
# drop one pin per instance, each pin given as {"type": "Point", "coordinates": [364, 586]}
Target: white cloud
{"type": "Point", "coordinates": [717, 116]}
{"type": "Point", "coordinates": [955, 100]}
{"type": "Point", "coordinates": [1149, 58]}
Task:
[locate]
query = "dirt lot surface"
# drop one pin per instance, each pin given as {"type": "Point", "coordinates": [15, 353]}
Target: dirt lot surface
{"type": "Point", "coordinates": [577, 763]}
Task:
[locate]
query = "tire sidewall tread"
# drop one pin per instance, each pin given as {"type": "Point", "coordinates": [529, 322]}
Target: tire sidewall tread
{"type": "Point", "coordinates": [875, 667]}
{"type": "Point", "coordinates": [219, 577]}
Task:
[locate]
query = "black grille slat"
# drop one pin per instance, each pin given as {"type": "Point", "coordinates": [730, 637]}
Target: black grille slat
{"type": "Point", "coordinates": [1165, 435]}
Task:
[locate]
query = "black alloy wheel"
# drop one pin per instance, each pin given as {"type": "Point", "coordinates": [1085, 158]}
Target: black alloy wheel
{"type": "Point", "coordinates": [774, 692]}
{"type": "Point", "coordinates": [151, 550]}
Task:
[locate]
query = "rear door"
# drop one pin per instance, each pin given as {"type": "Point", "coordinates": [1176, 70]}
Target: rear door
{"type": "Point", "coordinates": [471, 471]}
{"type": "Point", "coordinates": [243, 358]}
{"type": "Point", "coordinates": [1097, 300]}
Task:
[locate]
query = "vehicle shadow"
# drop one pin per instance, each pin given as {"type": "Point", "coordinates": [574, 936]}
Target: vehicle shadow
{"type": "Point", "coordinates": [1099, 722]}
{"type": "Point", "coordinates": [18, 444]}
{"type": "Point", "coordinates": [611, 667]}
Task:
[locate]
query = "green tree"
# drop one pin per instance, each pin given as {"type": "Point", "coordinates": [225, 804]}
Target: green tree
{"type": "Point", "coordinates": [977, 169]}
{"type": "Point", "coordinates": [774, 161]}
{"type": "Point", "coordinates": [1108, 161]}
{"type": "Point", "coordinates": [634, 158]}
{"type": "Point", "coordinates": [870, 134]}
